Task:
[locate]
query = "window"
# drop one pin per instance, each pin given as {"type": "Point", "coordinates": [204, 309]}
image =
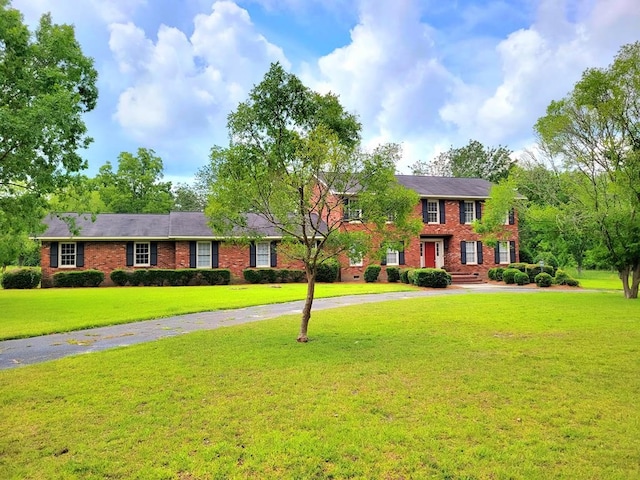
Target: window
{"type": "Point", "coordinates": [204, 255]}
{"type": "Point", "coordinates": [393, 257]}
{"type": "Point", "coordinates": [503, 252]}
{"type": "Point", "coordinates": [67, 254]}
{"type": "Point", "coordinates": [469, 212]}
{"type": "Point", "coordinates": [142, 255]}
{"type": "Point", "coordinates": [355, 260]}
{"type": "Point", "coordinates": [433, 213]}
{"type": "Point", "coordinates": [263, 254]}
{"type": "Point", "coordinates": [470, 252]}
{"type": "Point", "coordinates": [352, 209]}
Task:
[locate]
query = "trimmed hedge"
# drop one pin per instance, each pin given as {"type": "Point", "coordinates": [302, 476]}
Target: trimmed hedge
{"type": "Point", "coordinates": [171, 277]}
{"type": "Point", "coordinates": [509, 275]}
{"type": "Point", "coordinates": [393, 274]}
{"type": "Point", "coordinates": [431, 277]}
{"type": "Point", "coordinates": [24, 278]}
{"type": "Point", "coordinates": [521, 278]}
{"type": "Point", "coordinates": [371, 273]}
{"type": "Point", "coordinates": [495, 273]}
{"type": "Point", "coordinates": [273, 275]}
{"type": "Point", "coordinates": [82, 278]}
{"type": "Point", "coordinates": [328, 271]}
{"type": "Point", "coordinates": [544, 280]}
{"type": "Point", "coordinates": [563, 278]}
{"type": "Point", "coordinates": [404, 275]}
{"type": "Point", "coordinates": [533, 269]}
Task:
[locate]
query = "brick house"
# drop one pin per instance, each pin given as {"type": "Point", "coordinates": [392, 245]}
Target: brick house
{"type": "Point", "coordinates": [447, 206]}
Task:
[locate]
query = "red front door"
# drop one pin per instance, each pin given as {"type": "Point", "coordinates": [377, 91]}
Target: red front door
{"type": "Point", "coordinates": [429, 255]}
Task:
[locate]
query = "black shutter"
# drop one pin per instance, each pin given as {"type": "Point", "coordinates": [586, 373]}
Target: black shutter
{"type": "Point", "coordinates": [478, 210]}
{"type": "Point", "coordinates": [463, 252]}
{"type": "Point", "coordinates": [274, 254]}
{"type": "Point", "coordinates": [154, 254]}
{"type": "Point", "coordinates": [512, 251]}
{"type": "Point", "coordinates": [425, 213]}
{"type": "Point", "coordinates": [80, 254]}
{"type": "Point", "coordinates": [383, 260]}
{"type": "Point", "coordinates": [442, 216]}
{"type": "Point", "coordinates": [512, 217]}
{"type": "Point", "coordinates": [462, 211]}
{"type": "Point", "coordinates": [401, 255]}
{"type": "Point", "coordinates": [215, 249]}
{"type": "Point", "coordinates": [252, 254]}
{"type": "Point", "coordinates": [53, 255]}
{"type": "Point", "coordinates": [193, 246]}
{"type": "Point", "coordinates": [480, 259]}
{"type": "Point", "coordinates": [129, 254]}
{"type": "Point", "coordinates": [497, 254]}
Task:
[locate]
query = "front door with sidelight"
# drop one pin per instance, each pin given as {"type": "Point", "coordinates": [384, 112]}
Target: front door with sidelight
{"type": "Point", "coordinates": [431, 254]}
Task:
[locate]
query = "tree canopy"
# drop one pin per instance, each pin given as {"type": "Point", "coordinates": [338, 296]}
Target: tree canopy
{"type": "Point", "coordinates": [46, 85]}
{"type": "Point", "coordinates": [595, 131]}
{"type": "Point", "coordinates": [474, 160]}
{"type": "Point", "coordinates": [292, 157]}
{"type": "Point", "coordinates": [136, 187]}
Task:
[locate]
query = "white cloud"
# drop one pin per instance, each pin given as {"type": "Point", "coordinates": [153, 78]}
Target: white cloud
{"type": "Point", "coordinates": [539, 64]}
{"type": "Point", "coordinates": [181, 89]}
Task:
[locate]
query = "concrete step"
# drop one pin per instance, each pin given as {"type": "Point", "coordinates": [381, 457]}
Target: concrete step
{"type": "Point", "coordinates": [457, 278]}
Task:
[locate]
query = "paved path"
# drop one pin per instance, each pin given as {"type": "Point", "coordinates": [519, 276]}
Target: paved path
{"type": "Point", "coordinates": [27, 351]}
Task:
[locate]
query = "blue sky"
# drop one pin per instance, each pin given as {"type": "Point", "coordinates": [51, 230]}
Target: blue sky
{"type": "Point", "coordinates": [427, 74]}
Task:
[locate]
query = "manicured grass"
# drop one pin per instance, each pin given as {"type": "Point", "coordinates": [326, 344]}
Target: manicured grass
{"type": "Point", "coordinates": [477, 386]}
{"type": "Point", "coordinates": [597, 279]}
{"type": "Point", "coordinates": [27, 313]}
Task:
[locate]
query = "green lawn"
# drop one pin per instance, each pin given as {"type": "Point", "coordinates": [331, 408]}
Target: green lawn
{"type": "Point", "coordinates": [478, 386]}
{"type": "Point", "coordinates": [27, 313]}
{"type": "Point", "coordinates": [597, 279]}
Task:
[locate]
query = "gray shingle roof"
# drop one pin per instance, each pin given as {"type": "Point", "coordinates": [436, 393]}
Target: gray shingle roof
{"type": "Point", "coordinates": [115, 226]}
{"type": "Point", "coordinates": [447, 187]}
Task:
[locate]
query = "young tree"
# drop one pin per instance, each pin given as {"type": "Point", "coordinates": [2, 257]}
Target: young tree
{"type": "Point", "coordinates": [292, 154]}
{"type": "Point", "coordinates": [595, 130]}
{"type": "Point", "coordinates": [46, 85]}
{"type": "Point", "coordinates": [136, 186]}
{"type": "Point", "coordinates": [473, 160]}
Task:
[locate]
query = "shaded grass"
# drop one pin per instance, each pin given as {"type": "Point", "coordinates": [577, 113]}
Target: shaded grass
{"type": "Point", "coordinates": [473, 386]}
{"type": "Point", "coordinates": [27, 313]}
{"type": "Point", "coordinates": [597, 279]}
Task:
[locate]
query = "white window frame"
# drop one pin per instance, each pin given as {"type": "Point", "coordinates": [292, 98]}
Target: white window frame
{"type": "Point", "coordinates": [471, 253]}
{"type": "Point", "coordinates": [67, 259]}
{"type": "Point", "coordinates": [355, 260]}
{"type": "Point", "coordinates": [393, 257]}
{"type": "Point", "coordinates": [203, 259]}
{"type": "Point", "coordinates": [504, 250]}
{"type": "Point", "coordinates": [354, 211]}
{"type": "Point", "coordinates": [261, 255]}
{"type": "Point", "coordinates": [431, 212]}
{"type": "Point", "coordinates": [138, 254]}
{"type": "Point", "coordinates": [469, 212]}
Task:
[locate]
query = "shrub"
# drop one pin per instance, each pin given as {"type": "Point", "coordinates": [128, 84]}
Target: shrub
{"type": "Point", "coordinates": [259, 275]}
{"type": "Point", "coordinates": [563, 278]}
{"type": "Point", "coordinates": [23, 278]}
{"type": "Point", "coordinates": [216, 276]}
{"type": "Point", "coordinates": [533, 269]}
{"type": "Point", "coordinates": [518, 266]}
{"type": "Point", "coordinates": [84, 278]}
{"type": "Point", "coordinates": [491, 273]}
{"type": "Point", "coordinates": [509, 275]}
{"type": "Point", "coordinates": [498, 273]}
{"type": "Point", "coordinates": [521, 278]}
{"type": "Point", "coordinates": [431, 277]}
{"type": "Point", "coordinates": [371, 273]}
{"type": "Point", "coordinates": [404, 275]}
{"type": "Point", "coordinates": [548, 258]}
{"type": "Point", "coordinates": [120, 277]}
{"type": "Point", "coordinates": [544, 280]}
{"type": "Point", "coordinates": [393, 274]}
{"type": "Point", "coordinates": [328, 271]}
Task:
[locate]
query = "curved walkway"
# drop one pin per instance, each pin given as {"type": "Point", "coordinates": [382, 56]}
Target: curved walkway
{"type": "Point", "coordinates": [27, 351]}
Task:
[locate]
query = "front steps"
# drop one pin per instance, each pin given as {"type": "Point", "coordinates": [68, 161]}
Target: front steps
{"type": "Point", "coordinates": [458, 278]}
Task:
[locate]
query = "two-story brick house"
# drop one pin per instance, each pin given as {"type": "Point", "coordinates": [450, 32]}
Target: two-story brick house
{"type": "Point", "coordinates": [447, 207]}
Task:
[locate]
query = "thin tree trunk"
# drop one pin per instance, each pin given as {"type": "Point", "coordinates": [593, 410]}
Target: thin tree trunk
{"type": "Point", "coordinates": [635, 282]}
{"type": "Point", "coordinates": [306, 311]}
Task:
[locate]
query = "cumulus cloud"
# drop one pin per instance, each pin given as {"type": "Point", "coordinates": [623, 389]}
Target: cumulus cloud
{"type": "Point", "coordinates": [181, 89]}
{"type": "Point", "coordinates": [541, 63]}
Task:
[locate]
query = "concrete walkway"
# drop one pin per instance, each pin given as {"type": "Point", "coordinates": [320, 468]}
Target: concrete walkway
{"type": "Point", "coordinates": [27, 351]}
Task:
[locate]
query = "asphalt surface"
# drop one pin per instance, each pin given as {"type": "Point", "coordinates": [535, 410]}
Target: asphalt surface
{"type": "Point", "coordinates": [28, 351]}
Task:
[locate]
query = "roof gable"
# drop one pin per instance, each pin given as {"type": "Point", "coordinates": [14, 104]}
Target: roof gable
{"type": "Point", "coordinates": [446, 187]}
